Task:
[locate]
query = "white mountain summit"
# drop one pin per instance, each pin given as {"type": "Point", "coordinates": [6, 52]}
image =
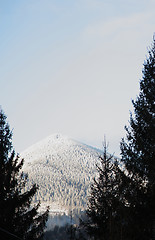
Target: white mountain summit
{"type": "Point", "coordinates": [63, 169]}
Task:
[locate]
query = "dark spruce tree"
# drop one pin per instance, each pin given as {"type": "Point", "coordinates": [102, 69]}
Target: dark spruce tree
{"type": "Point", "coordinates": [19, 218]}
{"type": "Point", "coordinates": [138, 156]}
{"type": "Point", "coordinates": [105, 206]}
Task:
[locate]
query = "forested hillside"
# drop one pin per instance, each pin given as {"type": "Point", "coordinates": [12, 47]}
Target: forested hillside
{"type": "Point", "coordinates": [63, 169]}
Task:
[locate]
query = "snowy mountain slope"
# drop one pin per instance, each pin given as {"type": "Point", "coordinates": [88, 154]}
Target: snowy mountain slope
{"type": "Point", "coordinates": [63, 169]}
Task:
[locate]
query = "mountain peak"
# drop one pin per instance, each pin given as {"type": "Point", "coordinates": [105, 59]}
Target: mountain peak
{"type": "Point", "coordinates": [63, 168]}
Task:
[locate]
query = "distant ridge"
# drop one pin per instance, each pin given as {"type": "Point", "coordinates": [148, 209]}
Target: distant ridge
{"type": "Point", "coordinates": [63, 168]}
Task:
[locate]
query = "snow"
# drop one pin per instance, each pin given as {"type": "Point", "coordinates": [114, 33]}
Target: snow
{"type": "Point", "coordinates": [63, 168]}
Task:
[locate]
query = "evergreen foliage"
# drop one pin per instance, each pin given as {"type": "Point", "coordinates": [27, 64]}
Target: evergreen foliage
{"type": "Point", "coordinates": [138, 156]}
{"type": "Point", "coordinates": [18, 218]}
{"type": "Point", "coordinates": [122, 201]}
{"type": "Point", "coordinates": [105, 206]}
{"type": "Point", "coordinates": [63, 232]}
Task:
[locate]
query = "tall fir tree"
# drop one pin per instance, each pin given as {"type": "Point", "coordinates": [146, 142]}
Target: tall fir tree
{"type": "Point", "coordinates": [19, 218]}
{"type": "Point", "coordinates": [105, 206]}
{"type": "Point", "coordinates": [138, 155]}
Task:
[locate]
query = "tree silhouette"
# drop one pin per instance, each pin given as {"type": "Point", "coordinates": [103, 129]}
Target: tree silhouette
{"type": "Point", "coordinates": [105, 206]}
{"type": "Point", "coordinates": [19, 218]}
{"type": "Point", "coordinates": [138, 155]}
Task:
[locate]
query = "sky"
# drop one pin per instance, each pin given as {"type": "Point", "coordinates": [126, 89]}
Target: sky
{"type": "Point", "coordinates": [72, 67]}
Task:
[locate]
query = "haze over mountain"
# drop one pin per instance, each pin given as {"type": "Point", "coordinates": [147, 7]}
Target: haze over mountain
{"type": "Point", "coordinates": [63, 168]}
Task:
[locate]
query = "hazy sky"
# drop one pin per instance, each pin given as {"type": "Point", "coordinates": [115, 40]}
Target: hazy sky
{"type": "Point", "coordinates": [72, 67]}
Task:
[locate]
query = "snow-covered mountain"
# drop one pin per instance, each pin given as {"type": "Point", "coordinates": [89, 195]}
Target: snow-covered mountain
{"type": "Point", "coordinates": [63, 168]}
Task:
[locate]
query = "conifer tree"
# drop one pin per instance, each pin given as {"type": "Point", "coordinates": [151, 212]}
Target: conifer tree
{"type": "Point", "coordinates": [19, 218]}
{"type": "Point", "coordinates": [105, 206]}
{"type": "Point", "coordinates": [138, 155]}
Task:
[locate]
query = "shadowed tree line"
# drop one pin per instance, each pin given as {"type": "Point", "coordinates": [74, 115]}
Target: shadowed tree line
{"type": "Point", "coordinates": [122, 200]}
{"type": "Point", "coordinates": [121, 204]}
{"type": "Point", "coordinates": [19, 219]}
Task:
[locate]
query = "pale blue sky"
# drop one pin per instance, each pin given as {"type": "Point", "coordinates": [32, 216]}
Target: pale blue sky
{"type": "Point", "coordinates": [72, 67]}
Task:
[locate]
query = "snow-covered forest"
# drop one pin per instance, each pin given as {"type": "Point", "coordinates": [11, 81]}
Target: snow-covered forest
{"type": "Point", "coordinates": [63, 169]}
